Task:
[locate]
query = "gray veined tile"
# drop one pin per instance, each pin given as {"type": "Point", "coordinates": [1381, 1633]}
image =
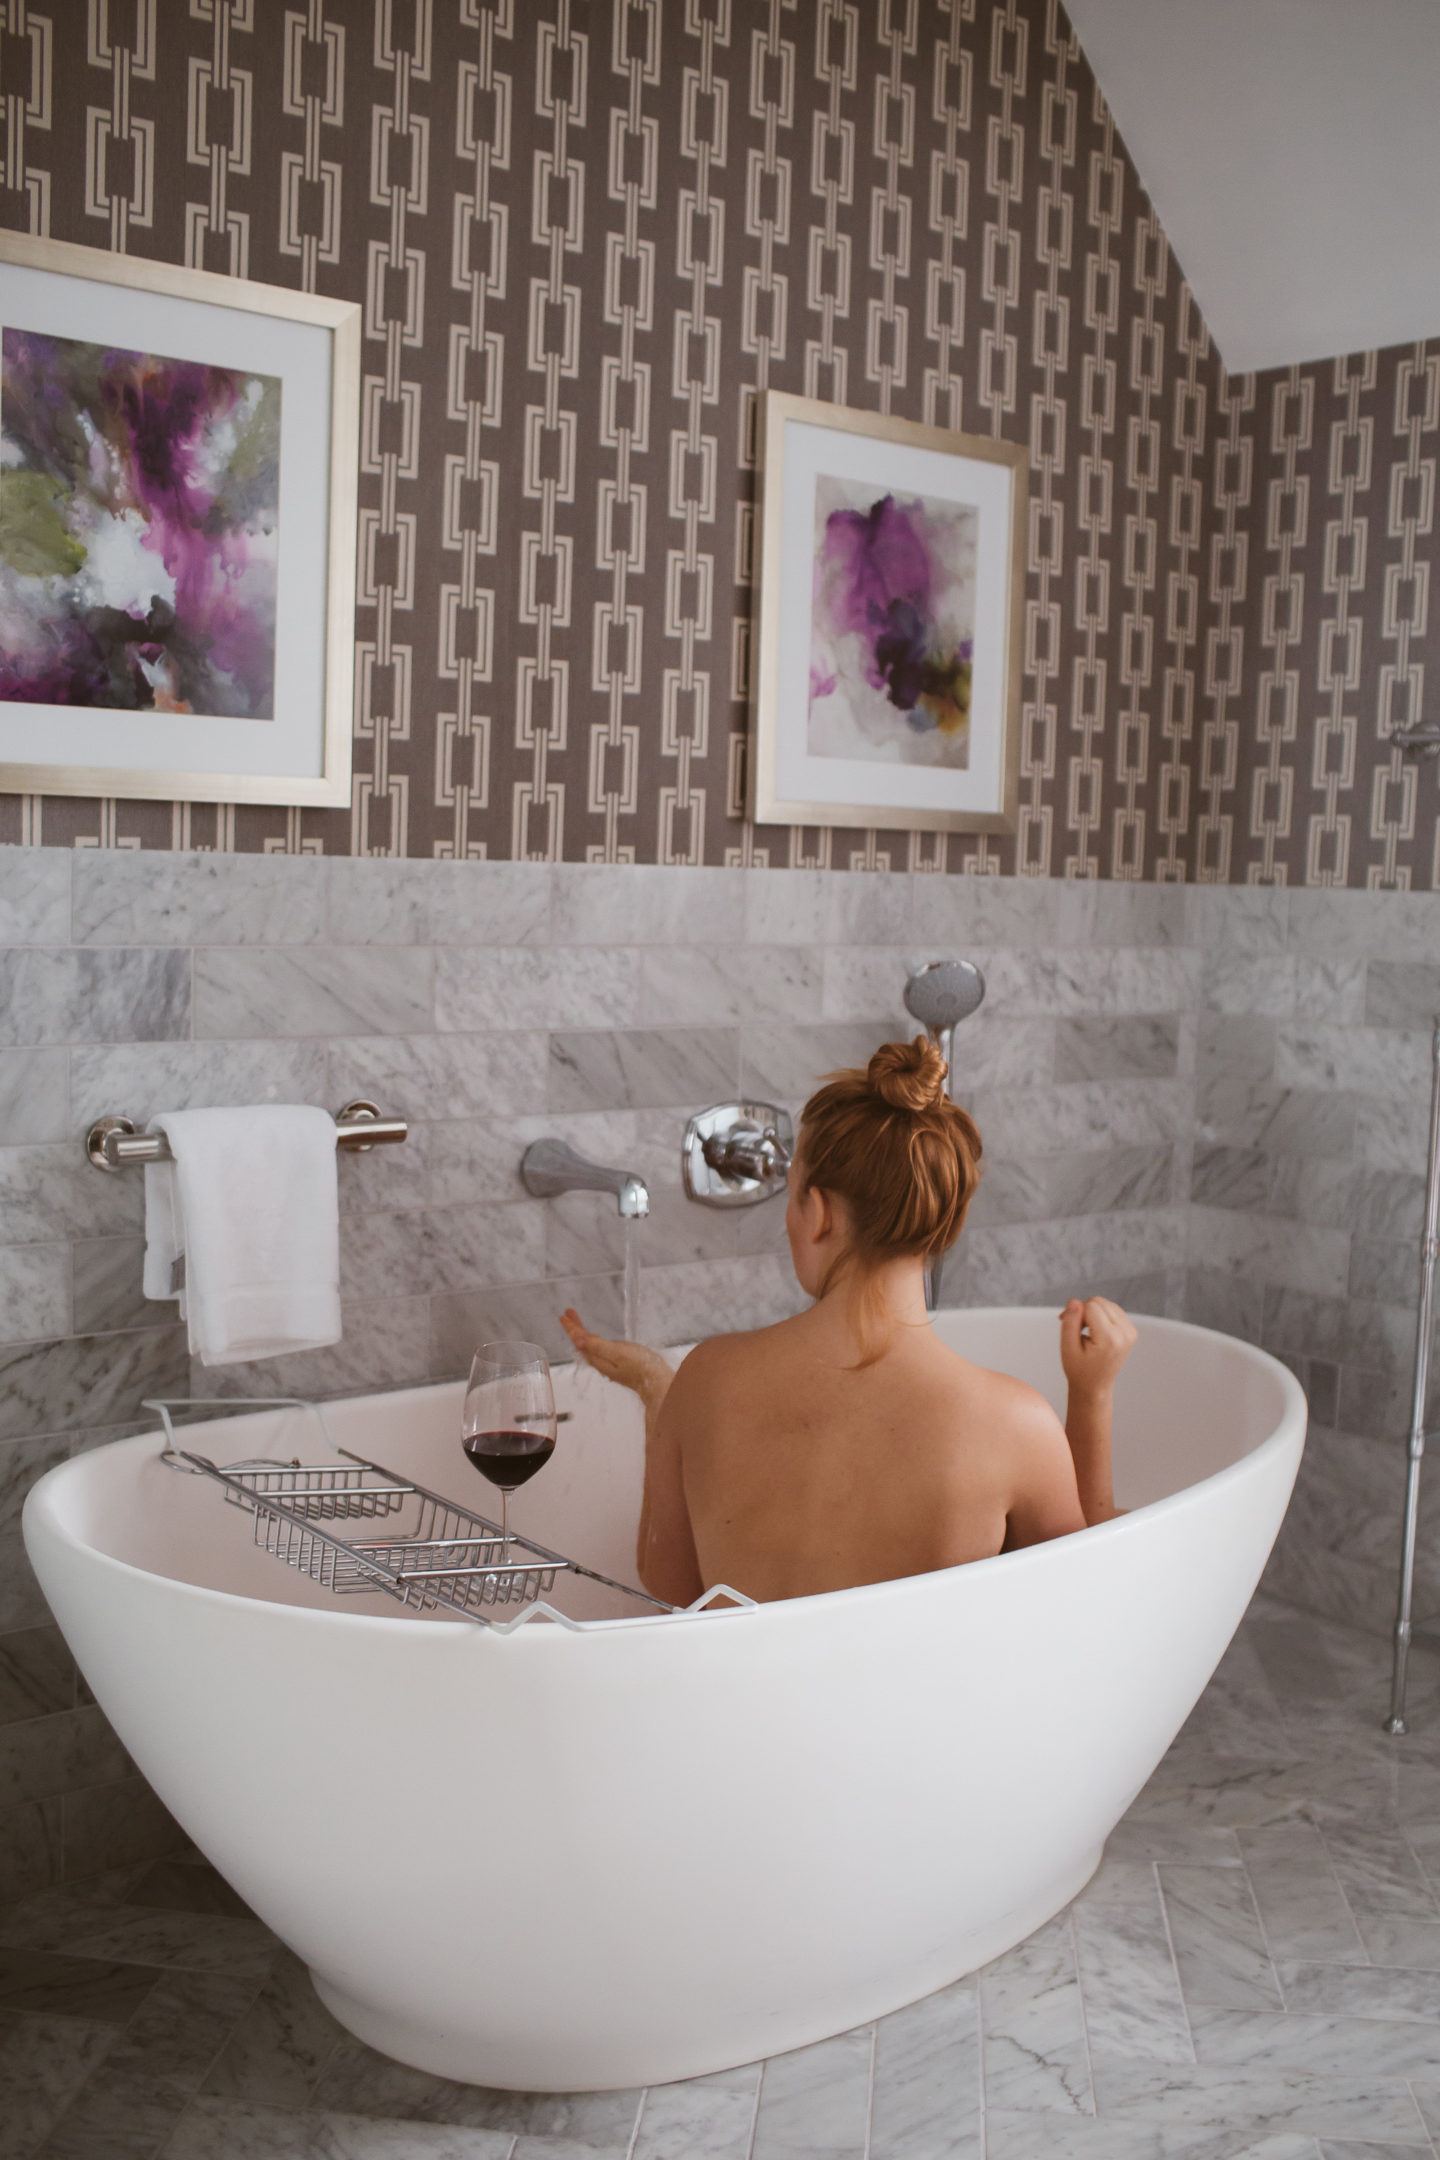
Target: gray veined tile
{"type": "Point", "coordinates": [721, 986]}
{"type": "Point", "coordinates": [159, 898]}
{"type": "Point", "coordinates": [113, 1826]}
{"type": "Point", "coordinates": [1127, 1979]}
{"type": "Point", "coordinates": [52, 1192]}
{"type": "Point", "coordinates": [35, 895]}
{"type": "Point", "coordinates": [77, 996]}
{"type": "Point", "coordinates": [222, 2129]}
{"type": "Point", "coordinates": [389, 901]}
{"type": "Point", "coordinates": [960, 912]}
{"type": "Point", "coordinates": [34, 1095]}
{"type": "Point", "coordinates": [503, 988]}
{"type": "Point", "coordinates": [1046, 2137]}
{"type": "Point", "coordinates": [1386, 1890]}
{"type": "Point", "coordinates": [926, 2099]}
{"type": "Point", "coordinates": [1133, 1047]}
{"type": "Point", "coordinates": [528, 1311]}
{"type": "Point", "coordinates": [1221, 1955]}
{"type": "Point", "coordinates": [1201, 1844]}
{"type": "Point", "coordinates": [86, 1381]}
{"type": "Point", "coordinates": [314, 991]}
{"type": "Point", "coordinates": [784, 1062]}
{"type": "Point", "coordinates": [34, 1291]}
{"type": "Point", "coordinates": [438, 1076]}
{"type": "Point", "coordinates": [109, 1290]}
{"type": "Point", "coordinates": [867, 907]}
{"type": "Point", "coordinates": [696, 2121]}
{"type": "Point", "coordinates": [184, 2020]}
{"type": "Point", "coordinates": [1361, 1991]}
{"type": "Point", "coordinates": [641, 1068]}
{"type": "Point", "coordinates": [139, 1079]}
{"type": "Point", "coordinates": [1302, 1907]}
{"type": "Point", "coordinates": [1230, 2101]}
{"type": "Point", "coordinates": [1397, 926]}
{"type": "Point", "coordinates": [1033, 2023]}
{"type": "Point", "coordinates": [44, 2061]}
{"type": "Point", "coordinates": [646, 904]}
{"type": "Point", "coordinates": [45, 1983]}
{"type": "Point", "coordinates": [279, 2046]}
{"type": "Point", "coordinates": [1332, 2046]}
{"type": "Point", "coordinates": [814, 2102]}
{"type": "Point", "coordinates": [1109, 911]}
{"type": "Point", "coordinates": [37, 1674]}
{"type": "Point", "coordinates": [786, 907]}
{"type": "Point", "coordinates": [1237, 918]}
{"type": "Point", "coordinates": [463, 1247]}
{"type": "Point", "coordinates": [195, 1942]}
{"type": "Point", "coordinates": [377, 900]}
{"type": "Point", "coordinates": [1231, 1177]}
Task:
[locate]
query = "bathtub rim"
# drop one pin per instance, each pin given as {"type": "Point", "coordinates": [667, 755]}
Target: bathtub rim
{"type": "Point", "coordinates": [42, 1512]}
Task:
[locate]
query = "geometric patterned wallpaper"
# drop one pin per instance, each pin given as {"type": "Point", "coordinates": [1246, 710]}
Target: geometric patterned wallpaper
{"type": "Point", "coordinates": [585, 234]}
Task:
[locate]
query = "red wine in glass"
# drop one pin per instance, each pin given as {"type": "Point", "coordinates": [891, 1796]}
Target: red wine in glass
{"type": "Point", "coordinates": [508, 1428]}
{"type": "Point", "coordinates": [509, 1459]}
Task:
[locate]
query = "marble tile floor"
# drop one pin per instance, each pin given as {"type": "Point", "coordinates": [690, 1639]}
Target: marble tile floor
{"type": "Point", "coordinates": [1253, 1974]}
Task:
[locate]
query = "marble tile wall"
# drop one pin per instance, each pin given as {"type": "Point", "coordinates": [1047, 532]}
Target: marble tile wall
{"type": "Point", "coordinates": [1312, 1096]}
{"type": "Point", "coordinates": [1207, 1102]}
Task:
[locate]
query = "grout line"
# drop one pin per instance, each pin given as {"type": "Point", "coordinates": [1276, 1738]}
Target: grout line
{"type": "Point", "coordinates": [634, 2127]}
{"type": "Point", "coordinates": [870, 2089]}
{"type": "Point", "coordinates": [755, 2114]}
{"type": "Point", "coordinates": [1080, 1997]}
{"type": "Point", "coordinates": [1174, 1961]}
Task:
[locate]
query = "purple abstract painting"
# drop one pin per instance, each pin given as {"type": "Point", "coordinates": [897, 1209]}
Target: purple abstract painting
{"type": "Point", "coordinates": [139, 525]}
{"type": "Point", "coordinates": [893, 626]}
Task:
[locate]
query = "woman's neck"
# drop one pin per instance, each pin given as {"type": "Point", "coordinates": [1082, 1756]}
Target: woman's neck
{"type": "Point", "coordinates": [892, 1295]}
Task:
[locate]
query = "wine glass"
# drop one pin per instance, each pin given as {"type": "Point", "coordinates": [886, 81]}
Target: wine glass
{"type": "Point", "coordinates": [508, 1427]}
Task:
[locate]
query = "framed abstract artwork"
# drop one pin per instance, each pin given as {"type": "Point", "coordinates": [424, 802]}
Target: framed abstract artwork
{"type": "Point", "coordinates": [891, 589]}
{"type": "Point", "coordinates": [178, 458]}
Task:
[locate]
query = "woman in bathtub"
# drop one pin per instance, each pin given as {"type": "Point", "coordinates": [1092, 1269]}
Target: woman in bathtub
{"type": "Point", "coordinates": [848, 1445]}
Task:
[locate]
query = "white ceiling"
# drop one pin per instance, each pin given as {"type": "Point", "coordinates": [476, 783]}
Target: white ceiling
{"type": "Point", "coordinates": [1292, 151]}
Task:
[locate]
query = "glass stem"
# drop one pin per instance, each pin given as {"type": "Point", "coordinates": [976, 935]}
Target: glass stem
{"type": "Point", "coordinates": [504, 1516]}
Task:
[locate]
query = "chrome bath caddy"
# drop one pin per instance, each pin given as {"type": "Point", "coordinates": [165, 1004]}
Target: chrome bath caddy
{"type": "Point", "coordinates": [430, 1554]}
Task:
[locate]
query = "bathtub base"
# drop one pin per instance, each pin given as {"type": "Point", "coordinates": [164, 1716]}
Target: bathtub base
{"type": "Point", "coordinates": [556, 2055]}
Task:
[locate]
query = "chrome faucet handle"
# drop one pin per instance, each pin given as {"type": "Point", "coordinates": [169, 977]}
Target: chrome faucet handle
{"type": "Point", "coordinates": [735, 1154]}
{"type": "Point", "coordinates": [749, 1151]}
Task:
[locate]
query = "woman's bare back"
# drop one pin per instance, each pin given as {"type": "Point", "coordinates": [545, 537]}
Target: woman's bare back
{"type": "Point", "coordinates": [803, 1471]}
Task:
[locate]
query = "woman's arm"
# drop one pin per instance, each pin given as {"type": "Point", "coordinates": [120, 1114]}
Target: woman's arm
{"type": "Point", "coordinates": [664, 1544]}
{"type": "Point", "coordinates": [1096, 1337]}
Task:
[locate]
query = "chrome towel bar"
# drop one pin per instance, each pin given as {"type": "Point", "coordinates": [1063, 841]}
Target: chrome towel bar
{"type": "Point", "coordinates": [113, 1143]}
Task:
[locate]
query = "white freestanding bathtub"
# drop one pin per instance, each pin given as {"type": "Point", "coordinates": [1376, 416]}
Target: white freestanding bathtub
{"type": "Point", "coordinates": [562, 1860]}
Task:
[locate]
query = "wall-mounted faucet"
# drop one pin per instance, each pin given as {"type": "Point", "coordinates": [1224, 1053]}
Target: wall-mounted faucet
{"type": "Point", "coordinates": [549, 1167]}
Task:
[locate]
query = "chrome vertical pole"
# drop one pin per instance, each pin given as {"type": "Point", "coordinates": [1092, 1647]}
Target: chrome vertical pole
{"type": "Point", "coordinates": [1424, 1321]}
{"type": "Point", "coordinates": [935, 1265]}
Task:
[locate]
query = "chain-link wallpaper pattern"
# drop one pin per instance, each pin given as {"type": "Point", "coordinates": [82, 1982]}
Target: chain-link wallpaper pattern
{"type": "Point", "coordinates": [585, 235]}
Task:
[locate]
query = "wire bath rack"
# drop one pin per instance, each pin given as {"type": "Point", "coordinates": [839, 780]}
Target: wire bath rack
{"type": "Point", "coordinates": [431, 1554]}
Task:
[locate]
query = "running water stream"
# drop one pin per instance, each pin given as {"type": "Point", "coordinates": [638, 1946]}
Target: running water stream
{"type": "Point", "coordinates": [631, 1281]}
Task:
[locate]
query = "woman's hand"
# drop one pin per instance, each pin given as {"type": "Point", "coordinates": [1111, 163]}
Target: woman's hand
{"type": "Point", "coordinates": [628, 1364]}
{"type": "Point", "coordinates": [1096, 1337]}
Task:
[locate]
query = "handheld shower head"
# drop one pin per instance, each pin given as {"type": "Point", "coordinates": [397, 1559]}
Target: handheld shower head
{"type": "Point", "coordinates": [942, 993]}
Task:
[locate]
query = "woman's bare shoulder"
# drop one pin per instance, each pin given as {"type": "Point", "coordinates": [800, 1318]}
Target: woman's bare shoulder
{"type": "Point", "coordinates": [1009, 1404]}
{"type": "Point", "coordinates": [744, 1350]}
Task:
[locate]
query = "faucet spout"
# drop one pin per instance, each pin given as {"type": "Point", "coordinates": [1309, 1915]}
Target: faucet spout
{"type": "Point", "coordinates": [549, 1167]}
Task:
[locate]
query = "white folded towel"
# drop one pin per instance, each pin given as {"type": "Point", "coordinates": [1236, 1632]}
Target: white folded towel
{"type": "Point", "coordinates": [249, 1205]}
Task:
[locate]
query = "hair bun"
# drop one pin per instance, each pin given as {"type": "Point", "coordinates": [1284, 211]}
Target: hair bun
{"type": "Point", "coordinates": [908, 1076]}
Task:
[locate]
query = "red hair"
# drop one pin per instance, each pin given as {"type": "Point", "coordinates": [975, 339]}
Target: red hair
{"type": "Point", "coordinates": [902, 1156]}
